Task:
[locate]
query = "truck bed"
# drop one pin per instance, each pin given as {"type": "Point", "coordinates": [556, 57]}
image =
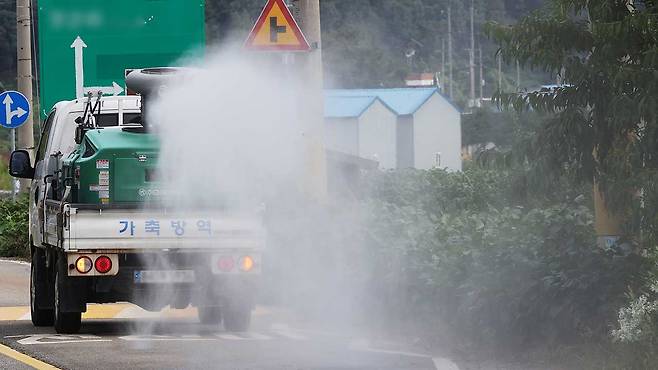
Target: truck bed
{"type": "Point", "coordinates": [80, 227]}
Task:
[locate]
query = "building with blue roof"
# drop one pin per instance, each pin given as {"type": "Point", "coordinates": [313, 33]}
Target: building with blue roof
{"type": "Point", "coordinates": [362, 126]}
{"type": "Point", "coordinates": [427, 126]}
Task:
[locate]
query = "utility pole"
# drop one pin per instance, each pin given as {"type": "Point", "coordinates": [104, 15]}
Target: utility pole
{"type": "Point", "coordinates": [24, 77]}
{"type": "Point", "coordinates": [500, 72]}
{"type": "Point", "coordinates": [471, 54]}
{"type": "Point", "coordinates": [311, 89]}
{"type": "Point", "coordinates": [443, 65]}
{"type": "Point", "coordinates": [481, 76]}
{"type": "Point", "coordinates": [450, 50]}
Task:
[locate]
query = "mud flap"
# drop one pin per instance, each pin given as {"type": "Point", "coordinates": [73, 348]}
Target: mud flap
{"type": "Point", "coordinates": [74, 289]}
{"type": "Point", "coordinates": [43, 281]}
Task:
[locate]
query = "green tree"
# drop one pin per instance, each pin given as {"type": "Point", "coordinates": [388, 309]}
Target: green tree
{"type": "Point", "coordinates": [8, 43]}
{"type": "Point", "coordinates": [603, 123]}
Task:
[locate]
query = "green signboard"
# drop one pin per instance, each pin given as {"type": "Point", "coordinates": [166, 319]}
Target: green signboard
{"type": "Point", "coordinates": [118, 35]}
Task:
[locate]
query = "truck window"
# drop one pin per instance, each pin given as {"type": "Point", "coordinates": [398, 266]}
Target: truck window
{"type": "Point", "coordinates": [45, 134]}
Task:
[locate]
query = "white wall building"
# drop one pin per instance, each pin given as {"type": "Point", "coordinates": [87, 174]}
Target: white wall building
{"type": "Point", "coordinates": [427, 130]}
{"type": "Point", "coordinates": [362, 126]}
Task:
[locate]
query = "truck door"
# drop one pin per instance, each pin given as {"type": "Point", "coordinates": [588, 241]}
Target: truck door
{"type": "Point", "coordinates": [37, 191]}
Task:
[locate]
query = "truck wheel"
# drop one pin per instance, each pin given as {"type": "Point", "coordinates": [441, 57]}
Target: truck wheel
{"type": "Point", "coordinates": [65, 322]}
{"type": "Point", "coordinates": [237, 318]}
{"type": "Point", "coordinates": [39, 289]}
{"type": "Point", "coordinates": [210, 315]}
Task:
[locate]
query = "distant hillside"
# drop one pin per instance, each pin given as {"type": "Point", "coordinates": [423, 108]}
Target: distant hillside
{"type": "Point", "coordinates": [365, 41]}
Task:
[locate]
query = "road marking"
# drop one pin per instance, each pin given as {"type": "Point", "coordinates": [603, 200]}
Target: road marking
{"type": "Point", "coordinates": [27, 360]}
{"type": "Point", "coordinates": [116, 311]}
{"type": "Point", "coordinates": [284, 331]}
{"type": "Point", "coordinates": [439, 362]}
{"type": "Point", "coordinates": [133, 338]}
{"type": "Point", "coordinates": [230, 337]}
{"type": "Point", "coordinates": [56, 339]}
{"type": "Point", "coordinates": [444, 364]}
{"type": "Point", "coordinates": [18, 262]}
{"type": "Point", "coordinates": [257, 336]}
{"type": "Point", "coordinates": [14, 313]}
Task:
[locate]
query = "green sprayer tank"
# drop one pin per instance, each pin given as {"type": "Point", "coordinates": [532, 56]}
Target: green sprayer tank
{"type": "Point", "coordinates": [114, 165]}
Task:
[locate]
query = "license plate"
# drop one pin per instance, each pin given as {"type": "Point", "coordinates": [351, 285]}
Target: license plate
{"type": "Point", "coordinates": [164, 276]}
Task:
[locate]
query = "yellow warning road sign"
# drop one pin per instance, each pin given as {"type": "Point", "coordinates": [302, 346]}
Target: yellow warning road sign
{"type": "Point", "coordinates": [276, 30]}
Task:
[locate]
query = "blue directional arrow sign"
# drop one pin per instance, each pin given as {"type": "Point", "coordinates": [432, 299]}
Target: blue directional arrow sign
{"type": "Point", "coordinates": [14, 109]}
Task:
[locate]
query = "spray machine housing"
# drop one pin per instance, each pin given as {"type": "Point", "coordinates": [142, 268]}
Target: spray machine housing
{"type": "Point", "coordinates": [117, 165]}
{"type": "Point", "coordinates": [113, 166]}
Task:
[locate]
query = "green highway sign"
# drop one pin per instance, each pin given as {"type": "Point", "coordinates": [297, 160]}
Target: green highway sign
{"type": "Point", "coordinates": [113, 36]}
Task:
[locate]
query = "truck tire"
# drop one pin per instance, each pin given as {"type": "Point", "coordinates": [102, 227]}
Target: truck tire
{"type": "Point", "coordinates": [39, 289]}
{"type": "Point", "coordinates": [210, 315]}
{"type": "Point", "coordinates": [237, 318]}
{"type": "Point", "coordinates": [65, 322]}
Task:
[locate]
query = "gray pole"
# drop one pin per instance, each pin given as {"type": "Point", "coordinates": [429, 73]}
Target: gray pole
{"type": "Point", "coordinates": [472, 57]}
{"type": "Point", "coordinates": [443, 65]}
{"type": "Point", "coordinates": [451, 81]}
{"type": "Point", "coordinates": [500, 72]}
{"type": "Point", "coordinates": [24, 76]}
{"type": "Point", "coordinates": [518, 75]}
{"type": "Point", "coordinates": [481, 76]}
{"type": "Point", "coordinates": [15, 185]}
{"type": "Point", "coordinates": [313, 100]}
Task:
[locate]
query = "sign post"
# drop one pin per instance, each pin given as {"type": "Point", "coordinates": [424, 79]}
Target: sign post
{"type": "Point", "coordinates": [14, 112]}
{"type": "Point", "coordinates": [277, 31]}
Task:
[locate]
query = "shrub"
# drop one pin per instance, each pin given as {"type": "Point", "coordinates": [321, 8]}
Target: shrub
{"type": "Point", "coordinates": [501, 264]}
{"type": "Point", "coordinates": [14, 240]}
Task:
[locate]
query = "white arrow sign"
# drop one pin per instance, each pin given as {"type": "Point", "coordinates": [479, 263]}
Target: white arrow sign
{"type": "Point", "coordinates": [115, 89]}
{"type": "Point", "coordinates": [9, 114]}
{"type": "Point", "coordinates": [78, 45]}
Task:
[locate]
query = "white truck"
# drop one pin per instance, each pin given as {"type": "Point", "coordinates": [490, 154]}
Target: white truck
{"type": "Point", "coordinates": [103, 251]}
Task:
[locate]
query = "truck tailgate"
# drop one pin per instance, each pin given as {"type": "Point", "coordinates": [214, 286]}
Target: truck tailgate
{"type": "Point", "coordinates": [141, 229]}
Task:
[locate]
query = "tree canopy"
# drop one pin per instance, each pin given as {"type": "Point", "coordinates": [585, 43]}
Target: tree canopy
{"type": "Point", "coordinates": [603, 115]}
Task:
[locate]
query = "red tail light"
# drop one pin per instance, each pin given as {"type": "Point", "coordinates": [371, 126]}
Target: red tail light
{"type": "Point", "coordinates": [225, 263]}
{"type": "Point", "coordinates": [103, 264]}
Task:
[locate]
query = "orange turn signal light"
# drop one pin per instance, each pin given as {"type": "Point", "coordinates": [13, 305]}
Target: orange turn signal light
{"type": "Point", "coordinates": [83, 264]}
{"type": "Point", "coordinates": [246, 263]}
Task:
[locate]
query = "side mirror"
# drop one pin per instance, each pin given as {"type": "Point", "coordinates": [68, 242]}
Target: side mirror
{"type": "Point", "coordinates": [20, 166]}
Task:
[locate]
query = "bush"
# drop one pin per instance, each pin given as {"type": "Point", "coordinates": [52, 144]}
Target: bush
{"type": "Point", "coordinates": [14, 239]}
{"type": "Point", "coordinates": [499, 262]}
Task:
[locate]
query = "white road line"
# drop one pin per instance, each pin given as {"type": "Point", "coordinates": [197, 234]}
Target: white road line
{"type": "Point", "coordinates": [439, 362]}
{"type": "Point", "coordinates": [230, 337]}
{"type": "Point", "coordinates": [258, 336]}
{"type": "Point", "coordinates": [163, 338]}
{"type": "Point", "coordinates": [15, 261]}
{"type": "Point", "coordinates": [56, 339]}
{"type": "Point", "coordinates": [388, 352]}
{"type": "Point", "coordinates": [444, 364]}
{"type": "Point", "coordinates": [284, 330]}
{"type": "Point", "coordinates": [289, 334]}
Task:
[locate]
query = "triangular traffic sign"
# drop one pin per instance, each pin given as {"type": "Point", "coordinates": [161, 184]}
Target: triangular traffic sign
{"type": "Point", "coordinates": [276, 30]}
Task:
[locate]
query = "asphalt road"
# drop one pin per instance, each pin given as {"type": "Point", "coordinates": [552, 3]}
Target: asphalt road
{"type": "Point", "coordinates": [14, 284]}
{"type": "Point", "coordinates": [121, 337]}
